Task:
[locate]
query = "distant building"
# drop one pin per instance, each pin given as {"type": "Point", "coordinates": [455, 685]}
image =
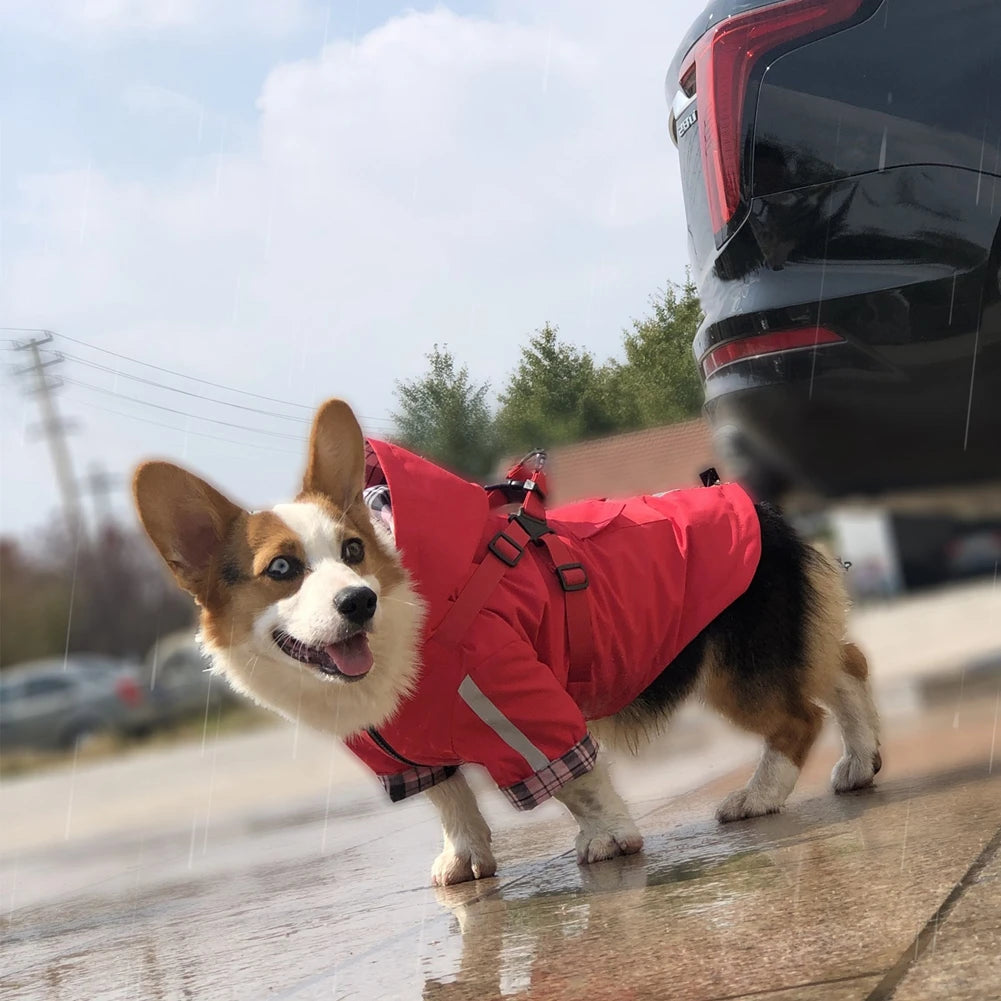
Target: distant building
{"type": "Point", "coordinates": [638, 462]}
{"type": "Point", "coordinates": [889, 546]}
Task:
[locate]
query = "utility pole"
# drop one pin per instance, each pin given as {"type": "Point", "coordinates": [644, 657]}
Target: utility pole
{"type": "Point", "coordinates": [53, 427]}
{"type": "Point", "coordinates": [100, 485]}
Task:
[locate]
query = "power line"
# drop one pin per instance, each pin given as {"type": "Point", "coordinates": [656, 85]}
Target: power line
{"type": "Point", "coordinates": [180, 375]}
{"type": "Point", "coordinates": [177, 389]}
{"type": "Point", "coordinates": [192, 378]}
{"type": "Point", "coordinates": [174, 427]}
{"type": "Point", "coordinates": [182, 413]}
{"type": "Point", "coordinates": [388, 424]}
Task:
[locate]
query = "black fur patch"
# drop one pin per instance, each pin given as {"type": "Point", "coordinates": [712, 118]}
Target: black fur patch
{"type": "Point", "coordinates": [671, 687]}
{"type": "Point", "coordinates": [231, 574]}
{"type": "Point", "coordinates": [760, 638]}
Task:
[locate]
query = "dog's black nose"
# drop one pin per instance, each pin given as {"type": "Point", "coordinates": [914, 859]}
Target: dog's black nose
{"type": "Point", "coordinates": [356, 604]}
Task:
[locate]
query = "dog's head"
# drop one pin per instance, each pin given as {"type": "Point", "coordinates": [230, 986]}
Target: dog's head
{"type": "Point", "coordinates": [306, 601]}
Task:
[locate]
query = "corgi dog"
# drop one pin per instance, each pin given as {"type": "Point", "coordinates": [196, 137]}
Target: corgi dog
{"type": "Point", "coordinates": [326, 611]}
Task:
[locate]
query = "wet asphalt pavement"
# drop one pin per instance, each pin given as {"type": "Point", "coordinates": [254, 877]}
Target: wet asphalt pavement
{"type": "Point", "coordinates": [321, 890]}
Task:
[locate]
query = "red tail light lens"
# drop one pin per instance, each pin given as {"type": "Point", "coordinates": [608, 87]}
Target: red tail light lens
{"type": "Point", "coordinates": [767, 344]}
{"type": "Point", "coordinates": [719, 67]}
{"type": "Point", "coordinates": [129, 692]}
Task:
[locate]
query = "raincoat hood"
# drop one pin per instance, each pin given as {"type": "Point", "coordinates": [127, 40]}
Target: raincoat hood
{"type": "Point", "coordinates": [439, 521]}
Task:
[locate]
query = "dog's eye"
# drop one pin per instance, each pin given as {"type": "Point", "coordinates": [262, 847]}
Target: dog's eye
{"type": "Point", "coordinates": [353, 551]}
{"type": "Point", "coordinates": [283, 568]}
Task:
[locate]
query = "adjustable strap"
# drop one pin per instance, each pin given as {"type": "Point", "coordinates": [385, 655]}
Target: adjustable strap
{"type": "Point", "coordinates": [507, 548]}
{"type": "Point", "coordinates": [573, 579]}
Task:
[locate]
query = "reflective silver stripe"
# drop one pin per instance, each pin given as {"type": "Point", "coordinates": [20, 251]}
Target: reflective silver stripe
{"type": "Point", "coordinates": [470, 693]}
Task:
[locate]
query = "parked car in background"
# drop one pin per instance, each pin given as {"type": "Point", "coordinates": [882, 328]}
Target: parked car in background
{"type": "Point", "coordinates": [178, 675]}
{"type": "Point", "coordinates": [841, 166]}
{"type": "Point", "coordinates": [52, 705]}
{"type": "Point", "coordinates": [49, 705]}
{"type": "Point", "coordinates": [973, 554]}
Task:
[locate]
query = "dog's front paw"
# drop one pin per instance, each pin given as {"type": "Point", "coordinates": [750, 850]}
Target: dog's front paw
{"type": "Point", "coordinates": [598, 842]}
{"type": "Point", "coordinates": [460, 866]}
{"type": "Point", "coordinates": [855, 772]}
{"type": "Point", "coordinates": [744, 804]}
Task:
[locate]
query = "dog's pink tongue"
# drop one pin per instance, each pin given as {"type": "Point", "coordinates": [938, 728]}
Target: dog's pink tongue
{"type": "Point", "coordinates": [351, 657]}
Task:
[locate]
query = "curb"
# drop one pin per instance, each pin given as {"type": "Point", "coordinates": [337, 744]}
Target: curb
{"type": "Point", "coordinates": [976, 676]}
{"type": "Point", "coordinates": [979, 676]}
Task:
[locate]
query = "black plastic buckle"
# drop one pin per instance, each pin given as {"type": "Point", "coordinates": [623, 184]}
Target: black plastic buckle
{"type": "Point", "coordinates": [534, 528]}
{"type": "Point", "coordinates": [514, 491]}
{"type": "Point", "coordinates": [494, 546]}
{"type": "Point", "coordinates": [709, 477]}
{"type": "Point", "coordinates": [564, 570]}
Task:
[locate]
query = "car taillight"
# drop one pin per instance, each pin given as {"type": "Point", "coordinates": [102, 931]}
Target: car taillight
{"type": "Point", "coordinates": [129, 692]}
{"type": "Point", "coordinates": [718, 70]}
{"type": "Point", "coordinates": [767, 344]}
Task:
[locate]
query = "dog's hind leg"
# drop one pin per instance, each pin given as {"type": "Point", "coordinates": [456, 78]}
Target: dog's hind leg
{"type": "Point", "coordinates": [789, 731]}
{"type": "Point", "coordinates": [466, 853]}
{"type": "Point", "coordinates": [853, 708]}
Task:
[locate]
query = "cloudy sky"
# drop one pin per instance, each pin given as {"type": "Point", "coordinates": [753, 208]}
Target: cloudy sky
{"type": "Point", "coordinates": [297, 199]}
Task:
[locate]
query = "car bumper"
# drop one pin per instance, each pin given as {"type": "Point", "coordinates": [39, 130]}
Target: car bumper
{"type": "Point", "coordinates": [910, 398]}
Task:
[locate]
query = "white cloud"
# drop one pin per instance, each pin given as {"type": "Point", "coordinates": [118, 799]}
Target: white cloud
{"type": "Point", "coordinates": [447, 179]}
{"type": "Point", "coordinates": [113, 20]}
{"type": "Point", "coordinates": [150, 99]}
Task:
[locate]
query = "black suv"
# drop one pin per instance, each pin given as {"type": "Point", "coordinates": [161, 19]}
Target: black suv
{"type": "Point", "coordinates": [841, 162]}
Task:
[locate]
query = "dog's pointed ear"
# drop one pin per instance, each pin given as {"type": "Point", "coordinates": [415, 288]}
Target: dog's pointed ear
{"type": "Point", "coordinates": [188, 521]}
{"type": "Point", "coordinates": [336, 466]}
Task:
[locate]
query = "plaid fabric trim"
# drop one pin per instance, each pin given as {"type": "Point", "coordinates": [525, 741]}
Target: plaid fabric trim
{"type": "Point", "coordinates": [376, 491]}
{"type": "Point", "coordinates": [374, 476]}
{"type": "Point", "coordinates": [415, 780]}
{"type": "Point", "coordinates": [378, 501]}
{"type": "Point", "coordinates": [537, 788]}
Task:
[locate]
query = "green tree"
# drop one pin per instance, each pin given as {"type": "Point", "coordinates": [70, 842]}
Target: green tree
{"type": "Point", "coordinates": [659, 381]}
{"type": "Point", "coordinates": [556, 394]}
{"type": "Point", "coordinates": [445, 416]}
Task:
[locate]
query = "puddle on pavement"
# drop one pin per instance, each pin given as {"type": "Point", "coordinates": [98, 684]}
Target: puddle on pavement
{"type": "Point", "coordinates": [833, 886]}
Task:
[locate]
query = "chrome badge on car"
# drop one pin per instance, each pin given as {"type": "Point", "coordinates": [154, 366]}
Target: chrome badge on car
{"type": "Point", "coordinates": [686, 123]}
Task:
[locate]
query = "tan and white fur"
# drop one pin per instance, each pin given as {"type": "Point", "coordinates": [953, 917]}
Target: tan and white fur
{"type": "Point", "coordinates": [267, 631]}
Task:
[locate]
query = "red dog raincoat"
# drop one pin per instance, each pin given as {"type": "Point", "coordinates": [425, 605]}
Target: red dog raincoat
{"type": "Point", "coordinates": [501, 689]}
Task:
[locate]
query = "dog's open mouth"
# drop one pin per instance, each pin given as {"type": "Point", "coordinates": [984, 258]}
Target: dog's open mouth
{"type": "Point", "coordinates": [350, 658]}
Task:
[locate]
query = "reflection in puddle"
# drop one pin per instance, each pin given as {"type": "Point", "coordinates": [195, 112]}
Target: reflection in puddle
{"type": "Point", "coordinates": [545, 937]}
{"type": "Point", "coordinates": [709, 909]}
